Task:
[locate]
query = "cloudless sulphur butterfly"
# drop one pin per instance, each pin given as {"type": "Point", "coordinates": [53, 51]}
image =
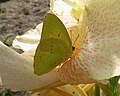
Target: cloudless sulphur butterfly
{"type": "Point", "coordinates": [55, 45]}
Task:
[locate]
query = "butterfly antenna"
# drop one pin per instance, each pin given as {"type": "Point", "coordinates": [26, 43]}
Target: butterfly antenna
{"type": "Point", "coordinates": [71, 34]}
{"type": "Point", "coordinates": [76, 39]}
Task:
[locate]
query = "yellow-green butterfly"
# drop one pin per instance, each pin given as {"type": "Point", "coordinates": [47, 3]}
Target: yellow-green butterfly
{"type": "Point", "coordinates": [55, 45]}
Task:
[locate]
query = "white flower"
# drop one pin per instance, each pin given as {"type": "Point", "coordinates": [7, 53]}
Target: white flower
{"type": "Point", "coordinates": [98, 57]}
{"type": "Point", "coordinates": [16, 71]}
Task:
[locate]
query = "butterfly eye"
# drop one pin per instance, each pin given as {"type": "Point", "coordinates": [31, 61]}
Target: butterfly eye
{"type": "Point", "coordinates": [73, 48]}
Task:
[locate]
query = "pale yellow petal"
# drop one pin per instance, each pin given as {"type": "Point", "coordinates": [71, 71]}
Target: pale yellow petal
{"type": "Point", "coordinates": [99, 56]}
{"type": "Point", "coordinates": [16, 71]}
{"type": "Point", "coordinates": [29, 40]}
{"type": "Point", "coordinates": [100, 52]}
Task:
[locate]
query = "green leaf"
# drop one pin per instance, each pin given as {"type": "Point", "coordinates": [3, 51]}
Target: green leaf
{"type": "Point", "coordinates": [111, 89]}
{"type": "Point", "coordinates": [113, 85]}
{"type": "Point", "coordinates": [106, 89]}
{"type": "Point", "coordinates": [96, 90]}
{"type": "Point", "coordinates": [113, 82]}
{"type": "Point", "coordinates": [8, 41]}
{"type": "Point", "coordinates": [2, 10]}
{"type": "Point", "coordinates": [3, 1]}
{"type": "Point", "coordinates": [55, 45]}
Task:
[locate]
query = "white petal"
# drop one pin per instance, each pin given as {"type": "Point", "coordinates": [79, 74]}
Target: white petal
{"type": "Point", "coordinates": [100, 52]}
{"type": "Point", "coordinates": [99, 56]}
{"type": "Point", "coordinates": [17, 73]}
{"type": "Point", "coordinates": [60, 7]}
{"type": "Point", "coordinates": [29, 40]}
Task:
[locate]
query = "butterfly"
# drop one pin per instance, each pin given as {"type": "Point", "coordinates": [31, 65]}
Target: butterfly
{"type": "Point", "coordinates": [55, 45]}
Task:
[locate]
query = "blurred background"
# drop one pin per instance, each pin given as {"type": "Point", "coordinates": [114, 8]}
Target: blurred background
{"type": "Point", "coordinates": [16, 18]}
{"type": "Point", "coordinates": [19, 16]}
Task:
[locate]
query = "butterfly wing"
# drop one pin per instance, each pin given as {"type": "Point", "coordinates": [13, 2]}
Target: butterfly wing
{"type": "Point", "coordinates": [55, 45]}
